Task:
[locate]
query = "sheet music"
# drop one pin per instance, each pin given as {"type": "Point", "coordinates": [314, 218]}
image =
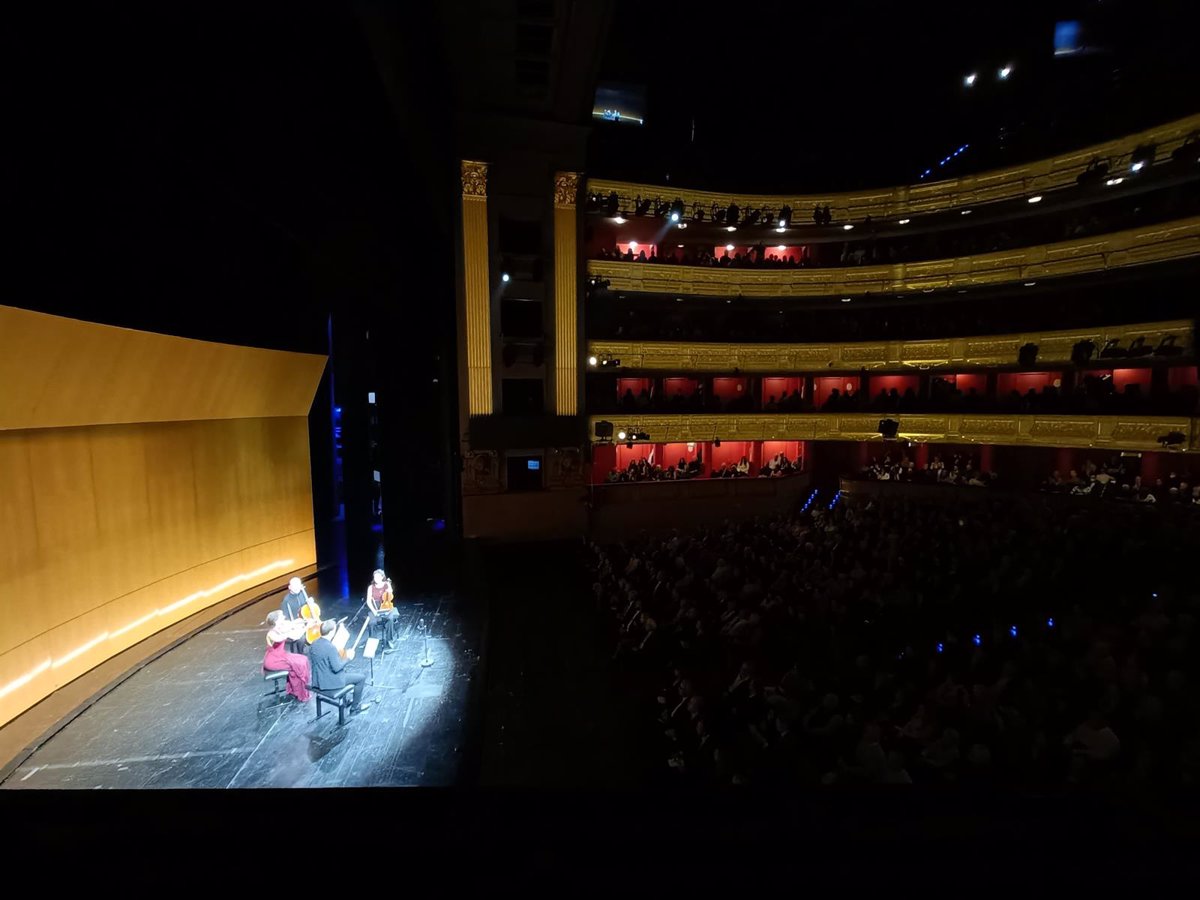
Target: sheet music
{"type": "Point", "coordinates": [369, 649]}
{"type": "Point", "coordinates": [340, 637]}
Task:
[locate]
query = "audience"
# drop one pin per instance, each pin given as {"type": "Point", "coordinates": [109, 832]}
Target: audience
{"type": "Point", "coordinates": [1113, 480]}
{"type": "Point", "coordinates": [779, 466]}
{"type": "Point", "coordinates": [955, 469]}
{"type": "Point", "coordinates": [896, 642]}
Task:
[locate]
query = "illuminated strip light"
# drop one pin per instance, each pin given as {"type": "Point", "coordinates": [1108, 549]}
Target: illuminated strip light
{"type": "Point", "coordinates": [24, 679]}
{"type": "Point", "coordinates": [84, 648]}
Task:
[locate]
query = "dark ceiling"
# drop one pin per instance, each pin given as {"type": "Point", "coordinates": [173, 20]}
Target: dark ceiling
{"type": "Point", "coordinates": [792, 96]}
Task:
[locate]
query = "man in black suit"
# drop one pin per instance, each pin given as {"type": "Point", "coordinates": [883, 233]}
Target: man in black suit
{"type": "Point", "coordinates": [328, 667]}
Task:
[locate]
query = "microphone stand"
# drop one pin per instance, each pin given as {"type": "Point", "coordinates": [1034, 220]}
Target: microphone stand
{"type": "Point", "coordinates": [426, 661]}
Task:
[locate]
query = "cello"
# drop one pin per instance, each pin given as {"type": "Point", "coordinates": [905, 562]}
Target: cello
{"type": "Point", "coordinates": [310, 612]}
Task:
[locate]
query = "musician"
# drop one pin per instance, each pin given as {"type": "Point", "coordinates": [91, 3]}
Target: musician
{"type": "Point", "coordinates": [294, 600]}
{"type": "Point", "coordinates": [380, 608]}
{"type": "Point", "coordinates": [329, 667]}
{"type": "Point", "coordinates": [277, 657]}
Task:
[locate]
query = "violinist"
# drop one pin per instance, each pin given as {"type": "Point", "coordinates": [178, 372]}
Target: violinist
{"type": "Point", "coordinates": [329, 667]}
{"type": "Point", "coordinates": [381, 607]}
{"type": "Point", "coordinates": [297, 606]}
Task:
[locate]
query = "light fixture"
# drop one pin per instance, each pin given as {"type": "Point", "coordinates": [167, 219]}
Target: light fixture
{"type": "Point", "coordinates": [785, 216]}
{"type": "Point", "coordinates": [904, 221]}
{"type": "Point", "coordinates": [682, 225]}
{"type": "Point", "coordinates": [505, 277]}
{"type": "Point", "coordinates": [1114, 181]}
{"type": "Point", "coordinates": [966, 212]}
{"type": "Point", "coordinates": [847, 227]}
{"type": "Point", "coordinates": [781, 229]}
{"type": "Point", "coordinates": [674, 217]}
{"type": "Point", "coordinates": [731, 228]}
{"type": "Point", "coordinates": [620, 220]}
{"type": "Point", "coordinates": [845, 299]}
{"type": "Point", "coordinates": [1030, 283]}
{"type": "Point", "coordinates": [680, 246]}
{"type": "Point", "coordinates": [781, 247]}
{"type": "Point", "coordinates": [1036, 198]}
{"type": "Point", "coordinates": [621, 435]}
{"type": "Point", "coordinates": [1005, 72]}
{"type": "Point", "coordinates": [592, 360]}
{"type": "Point", "coordinates": [1137, 166]}
{"type": "Point", "coordinates": [970, 79]}
{"type": "Point", "coordinates": [729, 248]}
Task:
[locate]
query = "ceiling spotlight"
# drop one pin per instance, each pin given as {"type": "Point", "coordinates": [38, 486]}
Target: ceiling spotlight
{"type": "Point", "coordinates": [1114, 181]}
{"type": "Point", "coordinates": [785, 216]}
{"type": "Point", "coordinates": [505, 277]}
{"type": "Point", "coordinates": [970, 79]}
{"type": "Point", "coordinates": [592, 360]}
{"type": "Point", "coordinates": [674, 217]}
{"type": "Point", "coordinates": [621, 435]}
{"type": "Point", "coordinates": [847, 227]}
{"type": "Point", "coordinates": [1036, 198]}
{"type": "Point", "coordinates": [677, 210]}
{"type": "Point", "coordinates": [729, 247]}
{"type": "Point", "coordinates": [731, 228]}
{"type": "Point", "coordinates": [1005, 72]}
{"type": "Point", "coordinates": [1137, 166]}
{"type": "Point", "coordinates": [620, 220]}
{"type": "Point", "coordinates": [904, 221]}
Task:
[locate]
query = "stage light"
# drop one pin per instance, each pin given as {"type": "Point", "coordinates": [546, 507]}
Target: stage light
{"type": "Point", "coordinates": [732, 213]}
{"type": "Point", "coordinates": [785, 216]}
{"type": "Point", "coordinates": [781, 247]}
{"type": "Point", "coordinates": [904, 221]}
{"type": "Point", "coordinates": [1036, 198]}
{"type": "Point", "coordinates": [731, 228]}
{"type": "Point", "coordinates": [1050, 622]}
{"type": "Point", "coordinates": [1005, 72]}
{"type": "Point", "coordinates": [1137, 166]}
{"type": "Point", "coordinates": [680, 246]}
{"type": "Point", "coordinates": [620, 220]}
{"type": "Point", "coordinates": [633, 245]}
{"type": "Point", "coordinates": [845, 299]}
{"type": "Point", "coordinates": [965, 212]}
{"type": "Point", "coordinates": [604, 430]}
{"type": "Point", "coordinates": [681, 225]}
{"type": "Point", "coordinates": [505, 277]}
{"type": "Point", "coordinates": [621, 435]}
{"type": "Point", "coordinates": [592, 360]}
{"type": "Point", "coordinates": [613, 205]}
{"type": "Point", "coordinates": [729, 248]}
{"type": "Point", "coordinates": [889, 428]}
{"type": "Point", "coordinates": [970, 79]}
{"type": "Point", "coordinates": [847, 227]}
{"type": "Point", "coordinates": [677, 210]}
{"type": "Point", "coordinates": [940, 647]}
{"type": "Point", "coordinates": [674, 217]}
{"type": "Point", "coordinates": [716, 442]}
{"type": "Point", "coordinates": [1112, 182]}
{"type": "Point", "coordinates": [977, 640]}
{"type": "Point", "coordinates": [781, 229]}
{"type": "Point", "coordinates": [1012, 630]}
{"type": "Point", "coordinates": [1030, 283]}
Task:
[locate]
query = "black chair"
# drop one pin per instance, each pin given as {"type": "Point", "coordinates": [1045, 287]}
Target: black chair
{"type": "Point", "coordinates": [277, 678]}
{"type": "Point", "coordinates": [339, 697]}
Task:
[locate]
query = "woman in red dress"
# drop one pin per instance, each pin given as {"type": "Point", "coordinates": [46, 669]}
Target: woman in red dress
{"type": "Point", "coordinates": [277, 658]}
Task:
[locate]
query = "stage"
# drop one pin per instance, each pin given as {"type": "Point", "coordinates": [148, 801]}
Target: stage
{"type": "Point", "coordinates": [202, 716]}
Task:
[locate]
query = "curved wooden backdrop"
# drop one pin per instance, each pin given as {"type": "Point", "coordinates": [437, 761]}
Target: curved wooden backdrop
{"type": "Point", "coordinates": [143, 477]}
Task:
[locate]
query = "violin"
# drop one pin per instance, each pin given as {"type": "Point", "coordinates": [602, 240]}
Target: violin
{"type": "Point", "coordinates": [389, 597]}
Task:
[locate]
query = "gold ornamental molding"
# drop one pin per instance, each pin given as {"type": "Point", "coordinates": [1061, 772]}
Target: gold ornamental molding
{"type": "Point", "coordinates": [474, 178]}
{"type": "Point", "coordinates": [566, 189]}
{"type": "Point", "coordinates": [969, 190]}
{"type": "Point", "coordinates": [1136, 246]}
{"type": "Point", "coordinates": [990, 350]}
{"type": "Point", "coordinates": [1111, 432]}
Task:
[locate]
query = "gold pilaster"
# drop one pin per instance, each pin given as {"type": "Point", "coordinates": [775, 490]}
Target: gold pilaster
{"type": "Point", "coordinates": [477, 288]}
{"type": "Point", "coordinates": [566, 295]}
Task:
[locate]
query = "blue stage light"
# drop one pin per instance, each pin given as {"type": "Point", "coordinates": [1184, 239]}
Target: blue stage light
{"type": "Point", "coordinates": [940, 647]}
{"type": "Point", "coordinates": [1012, 630]}
{"type": "Point", "coordinates": [976, 640]}
{"type": "Point", "coordinates": [1050, 622]}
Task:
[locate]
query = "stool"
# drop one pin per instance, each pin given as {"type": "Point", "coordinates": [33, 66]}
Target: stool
{"type": "Point", "coordinates": [339, 697]}
{"type": "Point", "coordinates": [276, 677]}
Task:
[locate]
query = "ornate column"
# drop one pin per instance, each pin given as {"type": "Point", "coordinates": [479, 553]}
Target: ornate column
{"type": "Point", "coordinates": [566, 295]}
{"type": "Point", "coordinates": [477, 288]}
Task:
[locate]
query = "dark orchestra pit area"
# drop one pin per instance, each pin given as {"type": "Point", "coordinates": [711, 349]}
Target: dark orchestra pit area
{"type": "Point", "coordinates": [202, 716]}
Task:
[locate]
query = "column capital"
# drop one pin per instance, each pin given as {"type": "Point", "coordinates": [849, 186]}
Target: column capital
{"type": "Point", "coordinates": [566, 189]}
{"type": "Point", "coordinates": [474, 178]}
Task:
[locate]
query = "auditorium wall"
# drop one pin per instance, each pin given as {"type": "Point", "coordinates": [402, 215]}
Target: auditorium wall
{"type": "Point", "coordinates": [143, 478]}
